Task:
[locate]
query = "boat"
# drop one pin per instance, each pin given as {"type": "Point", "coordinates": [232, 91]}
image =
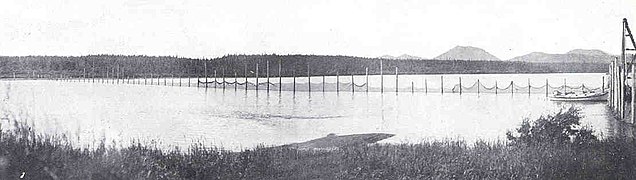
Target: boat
{"type": "Point", "coordinates": [587, 96]}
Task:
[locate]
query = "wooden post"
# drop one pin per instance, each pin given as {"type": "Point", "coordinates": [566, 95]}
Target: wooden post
{"type": "Point", "coordinates": [412, 87]}
{"type": "Point", "coordinates": [294, 84]}
{"type": "Point", "coordinates": [215, 77]}
{"type": "Point", "coordinates": [366, 76]}
{"type": "Point", "coordinates": [396, 80]}
{"type": "Point", "coordinates": [496, 87]}
{"type": "Point", "coordinates": [353, 84]}
{"type": "Point", "coordinates": [381, 78]}
{"type": "Point", "coordinates": [245, 70]}
{"type": "Point", "coordinates": [205, 69]}
{"type": "Point", "coordinates": [603, 84]}
{"type": "Point", "coordinates": [616, 84]}
{"type": "Point", "coordinates": [235, 81]}
{"type": "Point", "coordinates": [622, 68]}
{"type": "Point", "coordinates": [441, 84]}
{"type": "Point", "coordinates": [337, 82]}
{"type": "Point", "coordinates": [512, 87]}
{"type": "Point", "coordinates": [529, 86]}
{"type": "Point", "coordinates": [478, 86]}
{"type": "Point", "coordinates": [547, 86]}
{"type": "Point", "coordinates": [223, 77]}
{"type": "Point", "coordinates": [280, 77]}
{"type": "Point", "coordinates": [460, 85]}
{"type": "Point", "coordinates": [308, 78]}
{"type": "Point", "coordinates": [565, 85]}
{"type": "Point", "coordinates": [621, 89]}
{"type": "Point", "coordinates": [610, 83]}
{"type": "Point", "coordinates": [425, 85]}
{"type": "Point", "coordinates": [257, 76]}
{"type": "Point", "coordinates": [180, 77]}
{"type": "Point", "coordinates": [172, 79]}
{"type": "Point", "coordinates": [323, 83]}
{"type": "Point", "coordinates": [613, 84]}
{"type": "Point", "coordinates": [267, 73]}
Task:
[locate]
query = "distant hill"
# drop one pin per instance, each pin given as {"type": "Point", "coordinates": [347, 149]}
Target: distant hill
{"type": "Point", "coordinates": [467, 53]}
{"type": "Point", "coordinates": [401, 57]}
{"type": "Point", "coordinates": [573, 56]}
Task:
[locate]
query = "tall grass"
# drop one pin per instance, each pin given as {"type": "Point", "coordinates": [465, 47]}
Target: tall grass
{"type": "Point", "coordinates": [23, 152]}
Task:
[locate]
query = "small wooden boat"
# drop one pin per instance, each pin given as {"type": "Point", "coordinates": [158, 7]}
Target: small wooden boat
{"type": "Point", "coordinates": [593, 96]}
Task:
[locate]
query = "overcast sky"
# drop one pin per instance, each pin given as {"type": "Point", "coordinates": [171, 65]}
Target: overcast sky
{"type": "Point", "coordinates": [204, 28]}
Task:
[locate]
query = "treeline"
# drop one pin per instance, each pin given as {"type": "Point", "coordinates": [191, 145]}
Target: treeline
{"type": "Point", "coordinates": [101, 65]}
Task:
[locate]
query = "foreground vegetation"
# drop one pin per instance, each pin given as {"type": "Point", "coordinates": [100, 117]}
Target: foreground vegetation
{"type": "Point", "coordinates": [552, 147]}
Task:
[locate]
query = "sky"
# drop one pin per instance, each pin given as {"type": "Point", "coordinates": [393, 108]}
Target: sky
{"type": "Point", "coordinates": [367, 28]}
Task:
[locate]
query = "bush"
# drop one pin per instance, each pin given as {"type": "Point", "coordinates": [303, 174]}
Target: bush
{"type": "Point", "coordinates": [561, 128]}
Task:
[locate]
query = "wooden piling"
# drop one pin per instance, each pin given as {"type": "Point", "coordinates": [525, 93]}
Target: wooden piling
{"type": "Point", "coordinates": [460, 85]}
{"type": "Point", "coordinates": [478, 87]}
{"type": "Point", "coordinates": [294, 83]}
{"type": "Point", "coordinates": [353, 84]}
{"type": "Point", "coordinates": [256, 77]}
{"type": "Point", "coordinates": [235, 81]}
{"type": "Point", "coordinates": [223, 77]}
{"type": "Point", "coordinates": [412, 87]}
{"type": "Point", "coordinates": [267, 74]}
{"type": "Point", "coordinates": [529, 86]}
{"type": "Point", "coordinates": [366, 76]}
{"type": "Point", "coordinates": [397, 86]}
{"type": "Point", "coordinates": [245, 70]}
{"type": "Point", "coordinates": [381, 78]}
{"type": "Point", "coordinates": [308, 79]}
{"type": "Point", "coordinates": [425, 86]}
{"type": "Point", "coordinates": [337, 82]}
{"type": "Point", "coordinates": [610, 84]}
{"type": "Point", "coordinates": [323, 83]}
{"type": "Point", "coordinates": [496, 87]}
{"type": "Point", "coordinates": [280, 77]}
{"type": "Point", "coordinates": [441, 86]}
{"type": "Point", "coordinates": [603, 84]}
{"type": "Point", "coordinates": [547, 86]}
{"type": "Point", "coordinates": [215, 79]}
{"type": "Point", "coordinates": [512, 87]}
{"type": "Point", "coordinates": [205, 69]}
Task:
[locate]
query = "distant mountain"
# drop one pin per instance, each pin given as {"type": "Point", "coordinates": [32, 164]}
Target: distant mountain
{"type": "Point", "coordinates": [573, 56]}
{"type": "Point", "coordinates": [591, 52]}
{"type": "Point", "coordinates": [401, 57]}
{"type": "Point", "coordinates": [467, 53]}
{"type": "Point", "coordinates": [387, 57]}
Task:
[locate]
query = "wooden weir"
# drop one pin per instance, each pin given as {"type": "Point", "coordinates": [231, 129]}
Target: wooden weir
{"type": "Point", "coordinates": [619, 71]}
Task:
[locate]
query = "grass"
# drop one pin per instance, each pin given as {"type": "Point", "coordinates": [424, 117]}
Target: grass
{"type": "Point", "coordinates": [23, 152]}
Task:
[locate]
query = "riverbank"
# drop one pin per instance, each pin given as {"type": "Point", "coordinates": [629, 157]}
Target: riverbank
{"type": "Point", "coordinates": [23, 152]}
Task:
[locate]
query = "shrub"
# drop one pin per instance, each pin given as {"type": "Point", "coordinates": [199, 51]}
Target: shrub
{"type": "Point", "coordinates": [562, 128]}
